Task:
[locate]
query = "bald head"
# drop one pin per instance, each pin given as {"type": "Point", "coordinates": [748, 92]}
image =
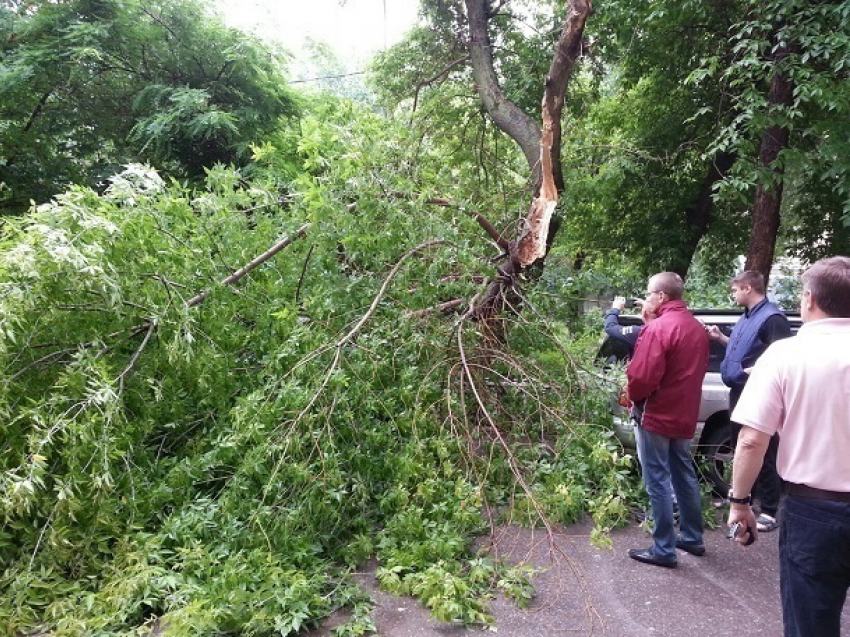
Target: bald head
{"type": "Point", "coordinates": [668, 282]}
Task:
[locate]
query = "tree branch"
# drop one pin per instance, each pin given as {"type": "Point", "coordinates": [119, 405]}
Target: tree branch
{"type": "Point", "coordinates": [434, 78]}
{"type": "Point", "coordinates": [151, 326]}
{"type": "Point", "coordinates": [303, 273]}
{"type": "Point", "coordinates": [507, 116]}
{"type": "Point", "coordinates": [512, 460]}
{"type": "Point", "coordinates": [39, 107]}
{"type": "Point", "coordinates": [380, 295]}
{"type": "Point", "coordinates": [448, 306]}
{"type": "Point", "coordinates": [338, 346]}
{"type": "Point", "coordinates": [265, 256]}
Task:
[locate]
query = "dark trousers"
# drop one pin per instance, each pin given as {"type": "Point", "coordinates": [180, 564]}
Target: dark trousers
{"type": "Point", "coordinates": [814, 565]}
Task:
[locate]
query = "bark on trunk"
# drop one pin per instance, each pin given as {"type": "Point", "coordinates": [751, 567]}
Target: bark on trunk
{"type": "Point", "coordinates": [535, 240]}
{"type": "Point", "coordinates": [567, 52]}
{"type": "Point", "coordinates": [768, 198]}
{"type": "Point", "coordinates": [507, 116]}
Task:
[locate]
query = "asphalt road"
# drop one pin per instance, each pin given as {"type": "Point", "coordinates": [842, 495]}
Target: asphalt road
{"type": "Point", "coordinates": [583, 591]}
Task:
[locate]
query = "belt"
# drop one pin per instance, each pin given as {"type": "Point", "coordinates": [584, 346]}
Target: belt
{"type": "Point", "coordinates": [805, 491]}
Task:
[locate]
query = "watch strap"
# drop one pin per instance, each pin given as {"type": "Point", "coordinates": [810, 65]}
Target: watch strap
{"type": "Point", "coordinates": [734, 500]}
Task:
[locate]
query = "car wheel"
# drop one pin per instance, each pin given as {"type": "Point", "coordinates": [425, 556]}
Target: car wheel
{"type": "Point", "coordinates": [716, 453]}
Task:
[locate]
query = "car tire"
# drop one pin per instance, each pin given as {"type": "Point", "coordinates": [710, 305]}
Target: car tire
{"type": "Point", "coordinates": [716, 453]}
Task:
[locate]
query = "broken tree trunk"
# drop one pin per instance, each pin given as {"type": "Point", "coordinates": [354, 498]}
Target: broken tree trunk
{"type": "Point", "coordinates": [545, 163]}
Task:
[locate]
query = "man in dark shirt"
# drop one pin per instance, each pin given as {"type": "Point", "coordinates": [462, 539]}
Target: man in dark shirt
{"type": "Point", "coordinates": [762, 324]}
{"type": "Point", "coordinates": [628, 334]}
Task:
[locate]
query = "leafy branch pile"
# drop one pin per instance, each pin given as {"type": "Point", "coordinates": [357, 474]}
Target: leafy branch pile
{"type": "Point", "coordinates": [224, 466]}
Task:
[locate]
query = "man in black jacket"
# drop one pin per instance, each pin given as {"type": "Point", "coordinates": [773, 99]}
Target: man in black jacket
{"type": "Point", "coordinates": [628, 334]}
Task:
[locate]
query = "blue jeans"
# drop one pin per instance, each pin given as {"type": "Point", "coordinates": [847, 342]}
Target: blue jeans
{"type": "Point", "coordinates": [814, 565]}
{"type": "Point", "coordinates": [664, 461]}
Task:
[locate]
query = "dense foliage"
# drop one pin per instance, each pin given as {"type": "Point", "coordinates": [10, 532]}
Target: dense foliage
{"type": "Point", "coordinates": [88, 85]}
{"type": "Point", "coordinates": [664, 121]}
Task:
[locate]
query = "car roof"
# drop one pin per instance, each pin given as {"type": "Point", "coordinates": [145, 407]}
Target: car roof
{"type": "Point", "coordinates": [617, 349]}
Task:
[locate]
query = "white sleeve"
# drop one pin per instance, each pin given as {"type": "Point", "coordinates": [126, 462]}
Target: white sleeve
{"type": "Point", "coordinates": [761, 405]}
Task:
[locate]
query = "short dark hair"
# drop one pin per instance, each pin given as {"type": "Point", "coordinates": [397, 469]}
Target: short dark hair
{"type": "Point", "coordinates": [828, 281]}
{"type": "Point", "coordinates": [753, 278]}
{"type": "Point", "coordinates": [671, 284]}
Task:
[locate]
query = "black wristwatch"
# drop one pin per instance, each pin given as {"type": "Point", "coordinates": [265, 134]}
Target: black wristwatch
{"type": "Point", "coordinates": [734, 500]}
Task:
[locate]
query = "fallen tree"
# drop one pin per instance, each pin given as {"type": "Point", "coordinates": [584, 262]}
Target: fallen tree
{"type": "Point", "coordinates": [305, 417]}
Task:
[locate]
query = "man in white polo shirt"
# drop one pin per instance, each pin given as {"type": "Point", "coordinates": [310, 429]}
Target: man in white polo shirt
{"type": "Point", "coordinates": [800, 388]}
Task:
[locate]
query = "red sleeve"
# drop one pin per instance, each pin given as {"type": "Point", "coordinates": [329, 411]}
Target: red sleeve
{"type": "Point", "coordinates": [647, 366]}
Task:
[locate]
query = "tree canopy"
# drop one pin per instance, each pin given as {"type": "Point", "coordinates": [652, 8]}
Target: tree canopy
{"type": "Point", "coordinates": [89, 85]}
{"type": "Point", "coordinates": [664, 120]}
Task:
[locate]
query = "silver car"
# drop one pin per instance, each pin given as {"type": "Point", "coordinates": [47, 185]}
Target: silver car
{"type": "Point", "coordinates": [712, 440]}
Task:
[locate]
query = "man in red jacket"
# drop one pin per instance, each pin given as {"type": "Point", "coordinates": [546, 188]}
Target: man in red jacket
{"type": "Point", "coordinates": [665, 383]}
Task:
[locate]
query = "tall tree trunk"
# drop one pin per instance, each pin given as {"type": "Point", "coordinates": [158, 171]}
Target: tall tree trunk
{"type": "Point", "coordinates": [768, 198]}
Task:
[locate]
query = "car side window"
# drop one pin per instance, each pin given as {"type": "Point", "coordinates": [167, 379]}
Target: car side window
{"type": "Point", "coordinates": [716, 351]}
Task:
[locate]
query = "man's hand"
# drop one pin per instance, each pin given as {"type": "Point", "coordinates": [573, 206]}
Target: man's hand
{"type": "Point", "coordinates": [619, 303]}
{"type": "Point", "coordinates": [743, 514]}
{"type": "Point", "coordinates": [715, 334]}
{"type": "Point", "coordinates": [647, 313]}
{"type": "Point", "coordinates": [749, 454]}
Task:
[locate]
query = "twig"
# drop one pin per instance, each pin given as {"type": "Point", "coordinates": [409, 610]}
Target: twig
{"type": "Point", "coordinates": [47, 524]}
{"type": "Point", "coordinates": [44, 359]}
{"type": "Point", "coordinates": [488, 227]}
{"type": "Point", "coordinates": [348, 337]}
{"type": "Point", "coordinates": [430, 80]}
{"type": "Point", "coordinates": [363, 319]}
{"type": "Point", "coordinates": [136, 354]}
{"type": "Point", "coordinates": [58, 354]}
{"type": "Point", "coordinates": [265, 256]}
{"type": "Point", "coordinates": [442, 307]}
{"type": "Point", "coordinates": [303, 272]}
{"type": "Point", "coordinates": [383, 289]}
{"type": "Point", "coordinates": [511, 459]}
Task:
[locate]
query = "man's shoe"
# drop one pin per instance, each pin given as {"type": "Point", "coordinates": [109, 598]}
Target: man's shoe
{"type": "Point", "coordinates": [766, 523]}
{"type": "Point", "coordinates": [648, 557]}
{"type": "Point", "coordinates": [693, 549]}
